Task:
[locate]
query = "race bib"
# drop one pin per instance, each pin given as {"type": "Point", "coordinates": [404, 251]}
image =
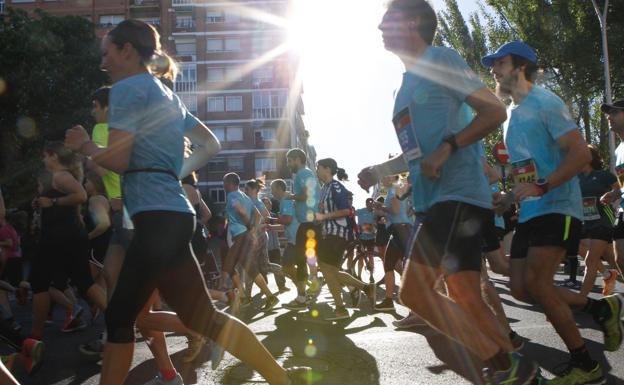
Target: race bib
{"type": "Point", "coordinates": [407, 137]}
{"type": "Point", "coordinates": [368, 228]}
{"type": "Point", "coordinates": [590, 209]}
{"type": "Point", "coordinates": [524, 171]}
{"type": "Point", "coordinates": [619, 172]}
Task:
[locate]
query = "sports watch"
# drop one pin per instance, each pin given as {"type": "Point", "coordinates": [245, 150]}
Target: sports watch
{"type": "Point", "coordinates": [543, 185]}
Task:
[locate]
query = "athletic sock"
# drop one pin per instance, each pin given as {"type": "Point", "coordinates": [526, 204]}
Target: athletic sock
{"type": "Point", "coordinates": [600, 310]}
{"type": "Point", "coordinates": [168, 374]}
{"type": "Point", "coordinates": [499, 362]}
{"type": "Point", "coordinates": [580, 358]}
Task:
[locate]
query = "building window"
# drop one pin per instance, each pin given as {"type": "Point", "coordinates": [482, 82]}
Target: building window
{"type": "Point", "coordinates": [217, 195]}
{"type": "Point", "coordinates": [266, 134]}
{"type": "Point", "coordinates": [215, 104]}
{"type": "Point", "coordinates": [185, 21]}
{"type": "Point", "coordinates": [2, 7]}
{"type": "Point", "coordinates": [234, 103]}
{"type": "Point", "coordinates": [236, 164]}
{"type": "Point", "coordinates": [186, 81]}
{"type": "Point", "coordinates": [262, 44]}
{"type": "Point", "coordinates": [232, 44]}
{"type": "Point", "coordinates": [263, 74]}
{"type": "Point", "coordinates": [265, 164]}
{"type": "Point", "coordinates": [215, 74]}
{"type": "Point", "coordinates": [190, 101]}
{"type": "Point", "coordinates": [109, 20]}
{"type": "Point", "coordinates": [214, 45]}
{"type": "Point", "coordinates": [217, 164]}
{"type": "Point", "coordinates": [233, 74]}
{"type": "Point", "coordinates": [186, 47]}
{"type": "Point", "coordinates": [228, 134]}
{"type": "Point", "coordinates": [214, 17]}
{"type": "Point", "coordinates": [18, 1]}
{"type": "Point", "coordinates": [269, 104]}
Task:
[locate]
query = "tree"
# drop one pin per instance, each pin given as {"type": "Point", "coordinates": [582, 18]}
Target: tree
{"type": "Point", "coordinates": [49, 66]}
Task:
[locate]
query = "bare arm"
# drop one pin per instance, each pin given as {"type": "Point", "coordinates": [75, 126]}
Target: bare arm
{"type": "Point", "coordinates": [204, 212]}
{"type": "Point", "coordinates": [98, 209]}
{"type": "Point", "coordinates": [207, 147]}
{"type": "Point", "coordinates": [65, 182]}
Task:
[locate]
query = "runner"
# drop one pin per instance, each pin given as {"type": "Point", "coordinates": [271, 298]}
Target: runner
{"type": "Point", "coordinates": [97, 220]}
{"type": "Point", "coordinates": [336, 233]}
{"type": "Point", "coordinates": [147, 124]}
{"type": "Point", "coordinates": [547, 151]}
{"type": "Point", "coordinates": [598, 221]}
{"type": "Point", "coordinates": [448, 187]}
{"type": "Point", "coordinates": [306, 194]}
{"type": "Point", "coordinates": [366, 223]}
{"type": "Point", "coordinates": [288, 220]}
{"type": "Point", "coordinates": [615, 117]}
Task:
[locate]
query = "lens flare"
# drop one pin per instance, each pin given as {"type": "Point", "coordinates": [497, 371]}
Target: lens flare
{"type": "Point", "coordinates": [310, 351]}
{"type": "Point", "coordinates": [310, 234]}
{"type": "Point", "coordinates": [314, 313]}
{"type": "Point", "coordinates": [26, 127]}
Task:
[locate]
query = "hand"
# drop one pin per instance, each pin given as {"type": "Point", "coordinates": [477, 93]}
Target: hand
{"type": "Point", "coordinates": [44, 202]}
{"type": "Point", "coordinates": [75, 137]}
{"type": "Point", "coordinates": [431, 165]}
{"type": "Point", "coordinates": [502, 201]}
{"type": "Point", "coordinates": [368, 177]}
{"type": "Point", "coordinates": [526, 190]}
{"type": "Point", "coordinates": [319, 217]}
{"type": "Point", "coordinates": [609, 197]}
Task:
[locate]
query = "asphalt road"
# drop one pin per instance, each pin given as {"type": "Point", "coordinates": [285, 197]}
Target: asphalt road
{"type": "Point", "coordinates": [365, 350]}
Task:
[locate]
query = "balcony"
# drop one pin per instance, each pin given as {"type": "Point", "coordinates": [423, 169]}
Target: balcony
{"type": "Point", "coordinates": [185, 24]}
{"type": "Point", "coordinates": [268, 113]}
{"type": "Point", "coordinates": [183, 2]}
{"type": "Point", "coordinates": [2, 6]}
{"type": "Point", "coordinates": [144, 3]}
{"type": "Point", "coordinates": [182, 86]}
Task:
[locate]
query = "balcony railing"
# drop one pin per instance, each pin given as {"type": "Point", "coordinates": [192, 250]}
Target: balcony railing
{"type": "Point", "coordinates": [181, 86]}
{"type": "Point", "coordinates": [185, 23]}
{"type": "Point", "coordinates": [144, 3]}
{"type": "Point", "coordinates": [268, 113]}
{"type": "Point", "coordinates": [183, 2]}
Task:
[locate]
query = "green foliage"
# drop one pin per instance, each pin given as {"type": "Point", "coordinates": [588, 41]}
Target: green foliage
{"type": "Point", "coordinates": [566, 36]}
{"type": "Point", "coordinates": [49, 67]}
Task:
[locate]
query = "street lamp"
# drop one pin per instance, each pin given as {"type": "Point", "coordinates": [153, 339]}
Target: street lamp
{"type": "Point", "coordinates": [602, 17]}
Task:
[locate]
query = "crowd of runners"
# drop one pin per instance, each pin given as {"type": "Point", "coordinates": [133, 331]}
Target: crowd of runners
{"type": "Point", "coordinates": [119, 224]}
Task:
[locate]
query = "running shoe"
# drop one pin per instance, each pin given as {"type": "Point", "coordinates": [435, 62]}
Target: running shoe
{"type": "Point", "coordinates": [612, 327]}
{"type": "Point", "coordinates": [216, 355]}
{"type": "Point", "coordinates": [158, 380]}
{"type": "Point", "coordinates": [93, 348]}
{"type": "Point", "coordinates": [385, 305]}
{"type": "Point", "coordinates": [573, 375]}
{"type": "Point", "coordinates": [339, 314]}
{"type": "Point", "coordinates": [609, 283]}
{"type": "Point", "coordinates": [73, 324]}
{"type": "Point", "coordinates": [270, 303]}
{"type": "Point", "coordinates": [295, 304]}
{"type": "Point", "coordinates": [195, 345]}
{"type": "Point", "coordinates": [299, 375]}
{"type": "Point", "coordinates": [521, 372]}
{"type": "Point", "coordinates": [410, 321]}
{"type": "Point", "coordinates": [32, 354]}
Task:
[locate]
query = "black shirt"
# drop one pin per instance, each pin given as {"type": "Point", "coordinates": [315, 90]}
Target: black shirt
{"type": "Point", "coordinates": [593, 186]}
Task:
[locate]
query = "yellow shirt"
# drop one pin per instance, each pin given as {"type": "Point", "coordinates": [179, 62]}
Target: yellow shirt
{"type": "Point", "coordinates": [110, 179]}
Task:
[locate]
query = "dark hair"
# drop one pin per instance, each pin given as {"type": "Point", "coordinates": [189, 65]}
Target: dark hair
{"type": "Point", "coordinates": [596, 160]}
{"type": "Point", "coordinates": [280, 183]}
{"type": "Point", "coordinates": [66, 157]}
{"type": "Point", "coordinates": [190, 179]}
{"type": "Point", "coordinates": [412, 9]}
{"type": "Point", "coordinates": [255, 184]}
{"type": "Point", "coordinates": [380, 199]}
{"type": "Point", "coordinates": [530, 69]}
{"type": "Point", "coordinates": [146, 40]}
{"type": "Point", "coordinates": [101, 96]}
{"type": "Point", "coordinates": [231, 178]}
{"type": "Point", "coordinates": [333, 167]}
{"type": "Point", "coordinates": [297, 153]}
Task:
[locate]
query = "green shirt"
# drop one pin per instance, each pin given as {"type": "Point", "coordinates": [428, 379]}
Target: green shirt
{"type": "Point", "coordinates": [110, 179]}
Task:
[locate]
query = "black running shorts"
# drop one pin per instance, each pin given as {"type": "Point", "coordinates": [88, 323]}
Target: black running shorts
{"type": "Point", "coordinates": [547, 230]}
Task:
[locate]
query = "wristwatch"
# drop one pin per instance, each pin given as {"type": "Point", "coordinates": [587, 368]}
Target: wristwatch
{"type": "Point", "coordinates": [543, 185]}
{"type": "Point", "coordinates": [452, 141]}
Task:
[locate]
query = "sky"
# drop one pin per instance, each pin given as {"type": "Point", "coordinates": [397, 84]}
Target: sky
{"type": "Point", "coordinates": [349, 81]}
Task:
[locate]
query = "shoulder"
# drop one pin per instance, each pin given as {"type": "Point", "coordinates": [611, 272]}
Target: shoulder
{"type": "Point", "coordinates": [63, 176]}
{"type": "Point", "coordinates": [98, 200]}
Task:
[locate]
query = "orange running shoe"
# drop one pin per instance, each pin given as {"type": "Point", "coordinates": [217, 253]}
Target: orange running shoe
{"type": "Point", "coordinates": [609, 283]}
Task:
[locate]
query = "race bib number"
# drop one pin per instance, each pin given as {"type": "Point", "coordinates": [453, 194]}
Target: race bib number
{"type": "Point", "coordinates": [368, 228]}
{"type": "Point", "coordinates": [590, 209]}
{"type": "Point", "coordinates": [524, 171]}
{"type": "Point", "coordinates": [407, 137]}
{"type": "Point", "coordinates": [619, 172]}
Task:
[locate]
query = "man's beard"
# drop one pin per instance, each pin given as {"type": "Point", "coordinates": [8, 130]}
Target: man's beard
{"type": "Point", "coordinates": [505, 86]}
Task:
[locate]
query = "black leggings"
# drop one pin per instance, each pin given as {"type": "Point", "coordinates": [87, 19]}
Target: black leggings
{"type": "Point", "coordinates": [160, 257]}
{"type": "Point", "coordinates": [397, 244]}
{"type": "Point", "coordinates": [300, 247]}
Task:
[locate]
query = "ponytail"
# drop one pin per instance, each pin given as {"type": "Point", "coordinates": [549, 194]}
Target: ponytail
{"type": "Point", "coordinates": [164, 66]}
{"type": "Point", "coordinates": [341, 174]}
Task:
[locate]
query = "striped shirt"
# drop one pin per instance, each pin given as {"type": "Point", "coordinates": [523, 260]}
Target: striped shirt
{"type": "Point", "coordinates": [334, 197]}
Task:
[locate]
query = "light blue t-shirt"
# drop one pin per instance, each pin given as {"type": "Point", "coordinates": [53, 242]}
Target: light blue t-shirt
{"type": "Point", "coordinates": [155, 116]}
{"type": "Point", "coordinates": [428, 107]}
{"type": "Point", "coordinates": [366, 221]}
{"type": "Point", "coordinates": [499, 221]}
{"type": "Point", "coordinates": [402, 216]}
{"type": "Point", "coordinates": [236, 198]}
{"type": "Point", "coordinates": [305, 211]}
{"type": "Point", "coordinates": [531, 132]}
{"type": "Point", "coordinates": [287, 208]}
{"type": "Point", "coordinates": [619, 169]}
